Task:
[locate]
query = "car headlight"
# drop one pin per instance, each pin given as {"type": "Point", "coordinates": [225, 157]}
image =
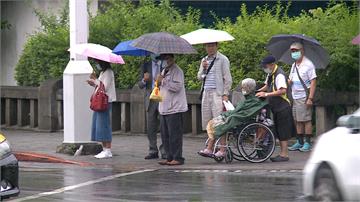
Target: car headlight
{"type": "Point", "coordinates": [4, 146]}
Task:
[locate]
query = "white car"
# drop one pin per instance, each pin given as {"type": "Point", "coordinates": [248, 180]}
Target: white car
{"type": "Point", "coordinates": [332, 172]}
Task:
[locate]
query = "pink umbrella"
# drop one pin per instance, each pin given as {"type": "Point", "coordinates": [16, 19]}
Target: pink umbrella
{"type": "Point", "coordinates": [356, 40]}
{"type": "Point", "coordinates": [97, 51]}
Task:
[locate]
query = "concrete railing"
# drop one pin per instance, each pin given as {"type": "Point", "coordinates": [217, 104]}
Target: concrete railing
{"type": "Point", "coordinates": [19, 106]}
{"type": "Point", "coordinates": [325, 107]}
{"type": "Point", "coordinates": [41, 108]}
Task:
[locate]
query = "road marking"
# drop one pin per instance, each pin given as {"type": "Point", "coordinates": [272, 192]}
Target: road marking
{"type": "Point", "coordinates": [57, 191]}
{"type": "Point", "coordinates": [238, 171]}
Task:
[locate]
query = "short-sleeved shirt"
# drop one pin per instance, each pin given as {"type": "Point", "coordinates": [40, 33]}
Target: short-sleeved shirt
{"type": "Point", "coordinates": [280, 81]}
{"type": "Point", "coordinates": [307, 73]}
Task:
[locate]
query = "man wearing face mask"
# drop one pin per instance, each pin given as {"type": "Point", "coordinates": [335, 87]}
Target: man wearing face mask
{"type": "Point", "coordinates": [275, 91]}
{"type": "Point", "coordinates": [149, 72]}
{"type": "Point", "coordinates": [171, 110]}
{"type": "Point", "coordinates": [302, 79]}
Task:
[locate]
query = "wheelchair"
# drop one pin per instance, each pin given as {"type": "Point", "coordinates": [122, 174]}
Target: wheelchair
{"type": "Point", "coordinates": [253, 141]}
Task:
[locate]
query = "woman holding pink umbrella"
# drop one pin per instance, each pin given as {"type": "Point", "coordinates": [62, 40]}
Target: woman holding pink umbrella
{"type": "Point", "coordinates": [101, 130]}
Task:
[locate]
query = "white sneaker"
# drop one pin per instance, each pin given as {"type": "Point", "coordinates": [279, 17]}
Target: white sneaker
{"type": "Point", "coordinates": [103, 155]}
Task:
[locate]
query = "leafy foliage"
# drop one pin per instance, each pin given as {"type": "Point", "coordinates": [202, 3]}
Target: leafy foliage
{"type": "Point", "coordinates": [333, 27]}
{"type": "Point", "coordinates": [45, 52]}
{"type": "Point", "coordinates": [123, 20]}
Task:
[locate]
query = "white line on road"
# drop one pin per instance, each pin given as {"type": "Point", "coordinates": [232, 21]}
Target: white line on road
{"type": "Point", "coordinates": [57, 191]}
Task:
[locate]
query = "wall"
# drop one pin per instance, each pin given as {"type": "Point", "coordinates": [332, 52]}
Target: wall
{"type": "Point", "coordinates": [23, 23]}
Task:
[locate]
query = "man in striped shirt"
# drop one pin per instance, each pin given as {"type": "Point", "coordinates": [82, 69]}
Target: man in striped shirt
{"type": "Point", "coordinates": [217, 84]}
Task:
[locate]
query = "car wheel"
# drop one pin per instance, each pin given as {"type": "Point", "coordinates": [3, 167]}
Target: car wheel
{"type": "Point", "coordinates": [325, 188]}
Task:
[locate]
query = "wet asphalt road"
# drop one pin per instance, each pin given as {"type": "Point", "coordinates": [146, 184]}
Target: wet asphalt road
{"type": "Point", "coordinates": [68, 183]}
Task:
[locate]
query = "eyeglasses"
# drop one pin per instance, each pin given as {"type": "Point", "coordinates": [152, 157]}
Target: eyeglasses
{"type": "Point", "coordinates": [294, 50]}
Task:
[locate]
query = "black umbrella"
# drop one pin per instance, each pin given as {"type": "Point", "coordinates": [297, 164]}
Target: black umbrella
{"type": "Point", "coordinates": [162, 43]}
{"type": "Point", "coordinates": [279, 46]}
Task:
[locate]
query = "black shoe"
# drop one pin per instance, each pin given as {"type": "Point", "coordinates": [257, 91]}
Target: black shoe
{"type": "Point", "coordinates": [279, 158]}
{"type": "Point", "coordinates": [152, 156]}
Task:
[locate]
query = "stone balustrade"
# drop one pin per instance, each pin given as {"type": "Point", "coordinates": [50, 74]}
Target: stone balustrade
{"type": "Point", "coordinates": [41, 108]}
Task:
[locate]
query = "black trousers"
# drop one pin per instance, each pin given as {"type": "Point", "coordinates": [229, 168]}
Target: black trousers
{"type": "Point", "coordinates": [171, 128]}
{"type": "Point", "coordinates": [153, 123]}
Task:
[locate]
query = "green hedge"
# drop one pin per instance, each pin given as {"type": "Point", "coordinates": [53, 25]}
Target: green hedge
{"type": "Point", "coordinates": [45, 52]}
{"type": "Point", "coordinates": [333, 27]}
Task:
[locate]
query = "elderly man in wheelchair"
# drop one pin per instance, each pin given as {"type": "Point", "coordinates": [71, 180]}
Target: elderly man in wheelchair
{"type": "Point", "coordinates": [243, 133]}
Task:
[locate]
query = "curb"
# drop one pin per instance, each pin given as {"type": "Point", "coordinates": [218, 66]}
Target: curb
{"type": "Point", "coordinates": [44, 158]}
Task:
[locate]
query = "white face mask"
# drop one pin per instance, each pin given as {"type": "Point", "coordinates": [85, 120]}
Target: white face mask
{"type": "Point", "coordinates": [158, 62]}
{"type": "Point", "coordinates": [267, 70]}
{"type": "Point", "coordinates": [244, 92]}
{"type": "Point", "coordinates": [164, 64]}
{"type": "Point", "coordinates": [98, 67]}
{"type": "Point", "coordinates": [154, 56]}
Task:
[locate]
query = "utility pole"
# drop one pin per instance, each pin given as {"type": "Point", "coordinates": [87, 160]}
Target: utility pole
{"type": "Point", "coordinates": [76, 93]}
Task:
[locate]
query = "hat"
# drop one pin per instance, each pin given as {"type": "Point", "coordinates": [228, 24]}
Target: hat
{"type": "Point", "coordinates": [268, 60]}
{"type": "Point", "coordinates": [296, 46]}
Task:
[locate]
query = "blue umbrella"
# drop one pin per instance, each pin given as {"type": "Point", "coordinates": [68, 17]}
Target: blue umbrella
{"type": "Point", "coordinates": [279, 46]}
{"type": "Point", "coordinates": [125, 48]}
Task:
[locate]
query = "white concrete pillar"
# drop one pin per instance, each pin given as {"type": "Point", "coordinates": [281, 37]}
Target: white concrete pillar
{"type": "Point", "coordinates": [77, 114]}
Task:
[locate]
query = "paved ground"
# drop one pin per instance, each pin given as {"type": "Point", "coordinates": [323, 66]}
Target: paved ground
{"type": "Point", "coordinates": [128, 177]}
{"type": "Point", "coordinates": [73, 184]}
{"type": "Point", "coordinates": [129, 152]}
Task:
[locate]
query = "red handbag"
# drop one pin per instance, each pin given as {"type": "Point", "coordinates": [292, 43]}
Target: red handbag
{"type": "Point", "coordinates": [99, 99]}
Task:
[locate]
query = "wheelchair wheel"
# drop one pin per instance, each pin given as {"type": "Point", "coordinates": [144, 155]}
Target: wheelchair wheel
{"type": "Point", "coordinates": [219, 159]}
{"type": "Point", "coordinates": [228, 156]}
{"type": "Point", "coordinates": [256, 142]}
{"type": "Point", "coordinates": [232, 143]}
{"type": "Point", "coordinates": [217, 147]}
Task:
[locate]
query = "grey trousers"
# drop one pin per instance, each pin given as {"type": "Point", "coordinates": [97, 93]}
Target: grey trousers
{"type": "Point", "coordinates": [171, 127]}
{"type": "Point", "coordinates": [153, 123]}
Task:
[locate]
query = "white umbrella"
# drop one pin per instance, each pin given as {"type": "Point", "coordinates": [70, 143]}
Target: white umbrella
{"type": "Point", "coordinates": [202, 36]}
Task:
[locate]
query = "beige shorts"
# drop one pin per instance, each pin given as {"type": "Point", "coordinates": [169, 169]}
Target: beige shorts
{"type": "Point", "coordinates": [301, 112]}
{"type": "Point", "coordinates": [212, 124]}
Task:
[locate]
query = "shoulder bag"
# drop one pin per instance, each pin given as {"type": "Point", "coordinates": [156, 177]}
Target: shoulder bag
{"type": "Point", "coordinates": [203, 84]}
{"type": "Point", "coordinates": [99, 99]}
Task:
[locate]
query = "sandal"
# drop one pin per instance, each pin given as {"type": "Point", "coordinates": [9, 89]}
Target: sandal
{"type": "Point", "coordinates": [220, 154]}
{"type": "Point", "coordinates": [206, 153]}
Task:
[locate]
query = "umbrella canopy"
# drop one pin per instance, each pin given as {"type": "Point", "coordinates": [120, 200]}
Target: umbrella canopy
{"type": "Point", "coordinates": [162, 43]}
{"type": "Point", "coordinates": [96, 51]}
{"type": "Point", "coordinates": [356, 40]}
{"type": "Point", "coordinates": [279, 46]}
{"type": "Point", "coordinates": [202, 36]}
{"type": "Point", "coordinates": [125, 48]}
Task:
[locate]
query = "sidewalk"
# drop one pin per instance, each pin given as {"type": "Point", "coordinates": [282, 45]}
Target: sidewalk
{"type": "Point", "coordinates": [129, 152]}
